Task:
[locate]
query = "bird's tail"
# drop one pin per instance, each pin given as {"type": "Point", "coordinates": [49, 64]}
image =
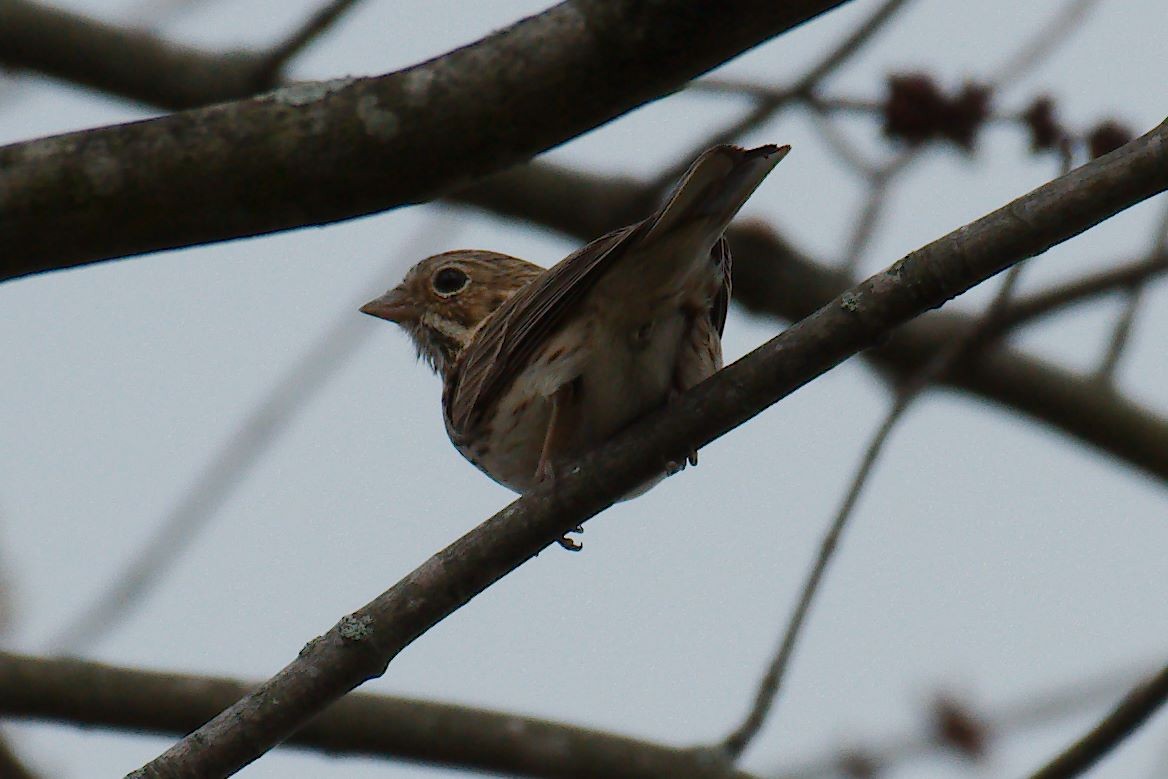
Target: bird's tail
{"type": "Point", "coordinates": [714, 189]}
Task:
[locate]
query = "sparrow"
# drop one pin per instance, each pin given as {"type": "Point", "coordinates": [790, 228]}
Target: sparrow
{"type": "Point", "coordinates": [540, 366]}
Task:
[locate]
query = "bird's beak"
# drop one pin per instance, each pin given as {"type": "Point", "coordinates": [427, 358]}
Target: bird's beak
{"type": "Point", "coordinates": [393, 306]}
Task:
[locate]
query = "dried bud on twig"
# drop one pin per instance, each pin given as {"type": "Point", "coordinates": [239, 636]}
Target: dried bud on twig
{"type": "Point", "coordinates": [918, 111]}
{"type": "Point", "coordinates": [1107, 136]}
{"type": "Point", "coordinates": [1046, 134]}
{"type": "Point", "coordinates": [958, 727]}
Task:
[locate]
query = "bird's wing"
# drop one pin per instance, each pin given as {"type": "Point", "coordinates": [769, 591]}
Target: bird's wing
{"type": "Point", "coordinates": [504, 344]}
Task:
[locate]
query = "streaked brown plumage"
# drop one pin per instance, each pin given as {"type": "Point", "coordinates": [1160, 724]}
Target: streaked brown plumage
{"type": "Point", "coordinates": [540, 366]}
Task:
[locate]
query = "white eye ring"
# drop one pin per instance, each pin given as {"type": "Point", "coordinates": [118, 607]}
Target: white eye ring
{"type": "Point", "coordinates": [449, 280]}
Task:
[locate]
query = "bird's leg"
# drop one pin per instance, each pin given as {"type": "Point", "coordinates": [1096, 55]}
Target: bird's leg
{"type": "Point", "coordinates": [560, 430]}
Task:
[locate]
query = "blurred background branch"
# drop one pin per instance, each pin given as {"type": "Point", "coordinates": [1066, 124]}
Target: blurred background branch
{"type": "Point", "coordinates": [128, 699]}
{"type": "Point", "coordinates": [139, 65]}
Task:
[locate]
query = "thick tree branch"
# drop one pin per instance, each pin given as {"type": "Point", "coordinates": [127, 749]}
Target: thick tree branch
{"type": "Point", "coordinates": [362, 644]}
{"type": "Point", "coordinates": [92, 694]}
{"type": "Point", "coordinates": [124, 62]}
{"type": "Point", "coordinates": [319, 152]}
{"type": "Point", "coordinates": [774, 278]}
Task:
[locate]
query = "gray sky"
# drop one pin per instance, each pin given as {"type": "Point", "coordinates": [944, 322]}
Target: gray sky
{"type": "Point", "coordinates": [989, 556]}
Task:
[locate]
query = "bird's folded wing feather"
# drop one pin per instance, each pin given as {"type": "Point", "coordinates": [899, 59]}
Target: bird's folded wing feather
{"type": "Point", "coordinates": [506, 342]}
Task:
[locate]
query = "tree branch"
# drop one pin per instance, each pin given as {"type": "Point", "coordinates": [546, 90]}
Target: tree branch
{"type": "Point", "coordinates": [362, 644]}
{"type": "Point", "coordinates": [93, 694]}
{"type": "Point", "coordinates": [129, 63]}
{"type": "Point", "coordinates": [319, 152]}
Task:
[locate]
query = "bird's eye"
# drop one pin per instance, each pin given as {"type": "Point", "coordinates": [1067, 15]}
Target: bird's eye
{"type": "Point", "coordinates": [450, 280]}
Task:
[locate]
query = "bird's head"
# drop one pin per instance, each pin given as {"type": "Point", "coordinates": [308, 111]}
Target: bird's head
{"type": "Point", "coordinates": [443, 300]}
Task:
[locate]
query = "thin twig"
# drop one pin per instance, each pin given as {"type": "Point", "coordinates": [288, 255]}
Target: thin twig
{"type": "Point", "coordinates": [231, 465]}
{"type": "Point", "coordinates": [1043, 43]}
{"type": "Point", "coordinates": [770, 686]}
{"type": "Point", "coordinates": [838, 142]}
{"type": "Point", "coordinates": [768, 689]}
{"type": "Point", "coordinates": [1121, 334]}
{"type": "Point", "coordinates": [316, 25]}
{"type": "Point", "coordinates": [848, 47]}
{"type": "Point", "coordinates": [1058, 298]}
{"type": "Point", "coordinates": [814, 76]}
{"type": "Point", "coordinates": [1132, 712]}
{"type": "Point", "coordinates": [769, 102]}
{"type": "Point", "coordinates": [865, 226]}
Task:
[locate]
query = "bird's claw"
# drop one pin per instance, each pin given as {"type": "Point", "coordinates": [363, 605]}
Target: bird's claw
{"type": "Point", "coordinates": [677, 466]}
{"type": "Point", "coordinates": [571, 544]}
{"type": "Point", "coordinates": [691, 457]}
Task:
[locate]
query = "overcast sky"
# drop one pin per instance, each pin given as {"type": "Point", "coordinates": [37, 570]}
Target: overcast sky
{"type": "Point", "coordinates": [989, 557]}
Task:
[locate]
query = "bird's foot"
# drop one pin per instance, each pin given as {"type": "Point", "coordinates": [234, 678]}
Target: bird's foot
{"type": "Point", "coordinates": [545, 473]}
{"type": "Point", "coordinates": [571, 544]}
{"type": "Point", "coordinates": [691, 457]}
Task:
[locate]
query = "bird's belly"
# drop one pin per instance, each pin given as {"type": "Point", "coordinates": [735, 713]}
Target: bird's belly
{"type": "Point", "coordinates": [509, 452]}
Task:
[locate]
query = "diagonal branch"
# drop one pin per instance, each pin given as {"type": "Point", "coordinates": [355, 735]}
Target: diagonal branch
{"type": "Point", "coordinates": [319, 152]}
{"type": "Point", "coordinates": [93, 694]}
{"type": "Point", "coordinates": [362, 644]}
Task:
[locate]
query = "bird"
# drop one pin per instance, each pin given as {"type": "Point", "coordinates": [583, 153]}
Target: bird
{"type": "Point", "coordinates": [540, 366]}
